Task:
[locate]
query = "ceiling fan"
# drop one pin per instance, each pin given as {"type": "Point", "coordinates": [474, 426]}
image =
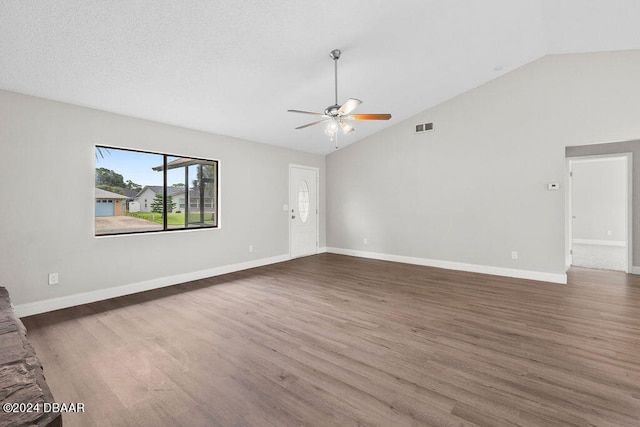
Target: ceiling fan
{"type": "Point", "coordinates": [336, 116]}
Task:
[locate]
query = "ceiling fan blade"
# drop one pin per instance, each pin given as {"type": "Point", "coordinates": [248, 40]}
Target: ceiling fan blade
{"type": "Point", "coordinates": [368, 117]}
{"type": "Point", "coordinates": [310, 124]}
{"type": "Point", "coordinates": [346, 127]}
{"type": "Point", "coordinates": [305, 112]}
{"type": "Point", "coordinates": [349, 106]}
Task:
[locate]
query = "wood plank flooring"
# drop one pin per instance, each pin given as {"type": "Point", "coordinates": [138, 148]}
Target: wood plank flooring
{"type": "Point", "coordinates": [336, 340]}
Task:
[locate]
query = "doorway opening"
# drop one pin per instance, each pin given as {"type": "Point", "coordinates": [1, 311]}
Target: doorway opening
{"type": "Point", "coordinates": [599, 212]}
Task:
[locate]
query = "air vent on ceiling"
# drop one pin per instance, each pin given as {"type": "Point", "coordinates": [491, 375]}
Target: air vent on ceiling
{"type": "Point", "coordinates": [423, 127]}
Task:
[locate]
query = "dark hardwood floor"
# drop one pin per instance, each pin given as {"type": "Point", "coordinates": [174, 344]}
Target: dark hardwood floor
{"type": "Point", "coordinates": [337, 340]}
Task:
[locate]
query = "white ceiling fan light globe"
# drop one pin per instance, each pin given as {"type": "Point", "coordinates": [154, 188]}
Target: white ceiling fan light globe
{"type": "Point", "coordinates": [346, 127]}
{"type": "Point", "coordinates": [332, 128]}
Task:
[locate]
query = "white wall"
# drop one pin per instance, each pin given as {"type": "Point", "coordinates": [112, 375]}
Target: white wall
{"type": "Point", "coordinates": [473, 190]}
{"type": "Point", "coordinates": [47, 148]}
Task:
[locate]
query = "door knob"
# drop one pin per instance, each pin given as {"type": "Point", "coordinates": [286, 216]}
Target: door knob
{"type": "Point", "coordinates": [293, 217]}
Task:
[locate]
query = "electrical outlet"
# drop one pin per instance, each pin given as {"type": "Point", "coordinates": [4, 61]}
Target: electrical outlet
{"type": "Point", "coordinates": [514, 255]}
{"type": "Point", "coordinates": [54, 279]}
{"type": "Point", "coordinates": [609, 232]}
{"type": "Point", "coordinates": [365, 241]}
{"type": "Point", "coordinates": [250, 248]}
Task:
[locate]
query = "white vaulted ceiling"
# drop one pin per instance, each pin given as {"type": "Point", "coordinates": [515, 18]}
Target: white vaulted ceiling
{"type": "Point", "coordinates": [235, 67]}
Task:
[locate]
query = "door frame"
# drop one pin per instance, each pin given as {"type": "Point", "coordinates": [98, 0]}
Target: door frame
{"type": "Point", "coordinates": [317, 171]}
{"type": "Point", "coordinates": [628, 202]}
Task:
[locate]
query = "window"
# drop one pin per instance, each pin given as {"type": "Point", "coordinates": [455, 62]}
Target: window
{"type": "Point", "coordinates": [159, 192]}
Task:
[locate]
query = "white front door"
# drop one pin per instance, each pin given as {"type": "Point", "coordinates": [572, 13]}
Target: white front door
{"type": "Point", "coordinates": [303, 211]}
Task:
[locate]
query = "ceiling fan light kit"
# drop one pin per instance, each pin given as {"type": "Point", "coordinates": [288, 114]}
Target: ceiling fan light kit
{"type": "Point", "coordinates": [336, 115]}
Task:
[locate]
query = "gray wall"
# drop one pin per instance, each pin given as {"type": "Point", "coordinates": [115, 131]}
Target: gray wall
{"type": "Point", "coordinates": [616, 148]}
{"type": "Point", "coordinates": [474, 189]}
{"type": "Point", "coordinates": [47, 170]}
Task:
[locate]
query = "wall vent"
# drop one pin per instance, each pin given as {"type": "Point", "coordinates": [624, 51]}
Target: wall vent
{"type": "Point", "coordinates": [423, 127]}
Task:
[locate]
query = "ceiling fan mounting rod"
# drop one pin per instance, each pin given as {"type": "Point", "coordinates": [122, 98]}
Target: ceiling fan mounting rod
{"type": "Point", "coordinates": [335, 55]}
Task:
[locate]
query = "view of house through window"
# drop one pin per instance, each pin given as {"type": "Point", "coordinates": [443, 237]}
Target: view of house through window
{"type": "Point", "coordinates": [138, 192]}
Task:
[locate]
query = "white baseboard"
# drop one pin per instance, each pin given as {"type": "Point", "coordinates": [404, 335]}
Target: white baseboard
{"type": "Point", "coordinates": [450, 265]}
{"type": "Point", "coordinates": [599, 242]}
{"type": "Point", "coordinates": [52, 304]}
{"type": "Point", "coordinates": [44, 306]}
{"type": "Point", "coordinates": [635, 270]}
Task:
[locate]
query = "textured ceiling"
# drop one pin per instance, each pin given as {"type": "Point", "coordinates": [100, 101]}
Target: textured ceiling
{"type": "Point", "coordinates": [235, 67]}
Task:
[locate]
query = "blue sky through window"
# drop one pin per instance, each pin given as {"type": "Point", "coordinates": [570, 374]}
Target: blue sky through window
{"type": "Point", "coordinates": [132, 165]}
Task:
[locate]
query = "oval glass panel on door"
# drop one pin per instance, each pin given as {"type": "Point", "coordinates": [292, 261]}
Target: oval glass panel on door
{"type": "Point", "coordinates": [303, 208]}
{"type": "Point", "coordinates": [303, 201]}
